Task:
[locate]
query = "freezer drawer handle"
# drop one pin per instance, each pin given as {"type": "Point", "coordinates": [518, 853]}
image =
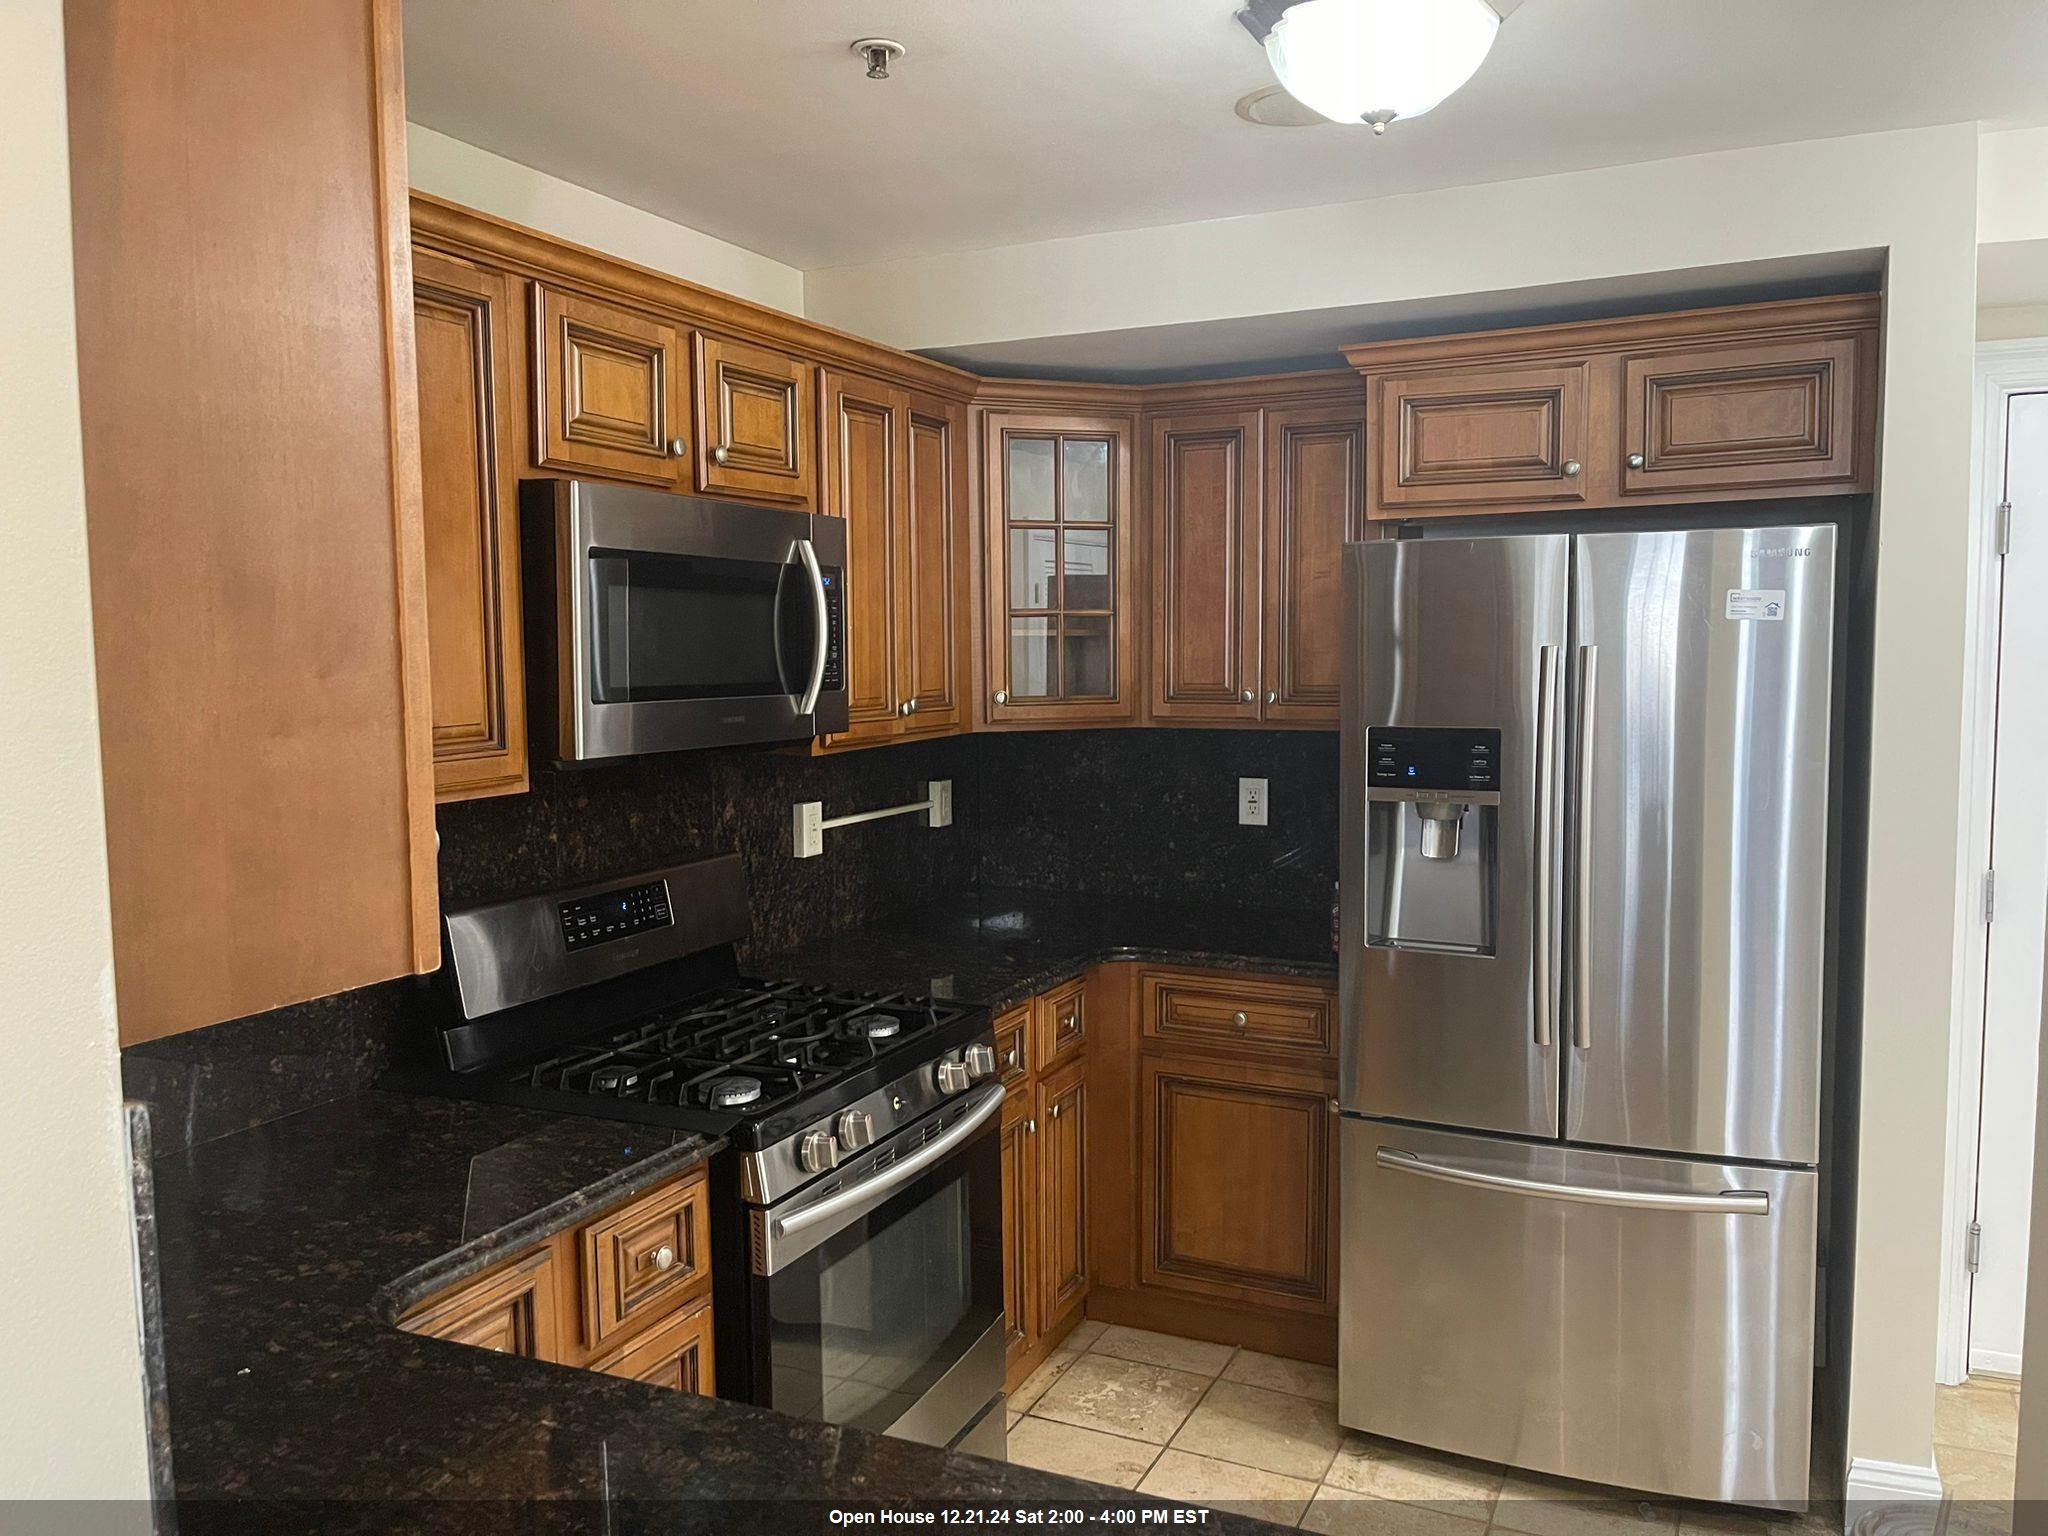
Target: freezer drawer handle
{"type": "Point", "coordinates": [1729, 1202]}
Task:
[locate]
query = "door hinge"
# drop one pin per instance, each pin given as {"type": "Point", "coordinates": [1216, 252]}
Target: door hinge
{"type": "Point", "coordinates": [1990, 893]}
{"type": "Point", "coordinates": [2003, 528]}
{"type": "Point", "coordinates": [1973, 1246]}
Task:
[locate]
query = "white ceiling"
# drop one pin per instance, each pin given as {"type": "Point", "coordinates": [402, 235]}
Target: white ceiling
{"type": "Point", "coordinates": [1021, 120]}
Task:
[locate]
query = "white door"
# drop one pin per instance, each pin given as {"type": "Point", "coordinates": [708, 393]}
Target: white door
{"type": "Point", "coordinates": [2019, 857]}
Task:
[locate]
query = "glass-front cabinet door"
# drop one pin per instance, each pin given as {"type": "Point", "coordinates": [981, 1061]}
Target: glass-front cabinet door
{"type": "Point", "coordinates": [1059, 542]}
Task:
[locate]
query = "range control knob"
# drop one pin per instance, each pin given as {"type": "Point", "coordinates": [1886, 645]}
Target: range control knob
{"type": "Point", "coordinates": [952, 1076]}
{"type": "Point", "coordinates": [818, 1152]}
{"type": "Point", "coordinates": [856, 1130]}
{"type": "Point", "coordinates": [981, 1062]}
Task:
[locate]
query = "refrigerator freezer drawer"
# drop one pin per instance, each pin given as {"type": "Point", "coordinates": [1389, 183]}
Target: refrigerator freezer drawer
{"type": "Point", "coordinates": [1645, 1322]}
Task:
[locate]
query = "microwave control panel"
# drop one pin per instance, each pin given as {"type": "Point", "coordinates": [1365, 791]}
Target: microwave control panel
{"type": "Point", "coordinates": [1417, 757]}
{"type": "Point", "coordinates": [835, 630]}
{"type": "Point", "coordinates": [614, 915]}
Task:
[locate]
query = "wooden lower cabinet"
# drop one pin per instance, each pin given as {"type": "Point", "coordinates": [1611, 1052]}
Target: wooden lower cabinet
{"type": "Point", "coordinates": [627, 1293]}
{"type": "Point", "coordinates": [1020, 1232]}
{"type": "Point", "coordinates": [1063, 1194]}
{"type": "Point", "coordinates": [1045, 1175]}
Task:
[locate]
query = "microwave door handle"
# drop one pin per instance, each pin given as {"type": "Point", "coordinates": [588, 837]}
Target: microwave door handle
{"type": "Point", "coordinates": [865, 1195]}
{"type": "Point", "coordinates": [808, 703]}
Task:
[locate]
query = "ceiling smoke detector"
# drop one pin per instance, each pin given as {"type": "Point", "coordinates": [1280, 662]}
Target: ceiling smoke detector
{"type": "Point", "coordinates": [880, 53]}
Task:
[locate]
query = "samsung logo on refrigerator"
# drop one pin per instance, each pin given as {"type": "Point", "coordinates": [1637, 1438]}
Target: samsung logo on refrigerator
{"type": "Point", "coordinates": [1781, 554]}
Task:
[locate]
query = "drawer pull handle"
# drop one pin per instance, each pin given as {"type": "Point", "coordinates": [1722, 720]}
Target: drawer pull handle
{"type": "Point", "coordinates": [663, 1258]}
{"type": "Point", "coordinates": [1239, 1019]}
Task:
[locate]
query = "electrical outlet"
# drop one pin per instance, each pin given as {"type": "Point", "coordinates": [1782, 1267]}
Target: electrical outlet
{"type": "Point", "coordinates": [940, 793]}
{"type": "Point", "coordinates": [807, 833]}
{"type": "Point", "coordinates": [1251, 802]}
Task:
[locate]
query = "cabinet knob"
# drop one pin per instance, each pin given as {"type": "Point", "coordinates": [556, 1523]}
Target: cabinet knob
{"type": "Point", "coordinates": [1272, 697]}
{"type": "Point", "coordinates": [1635, 461]}
{"type": "Point", "coordinates": [1056, 1111]}
{"type": "Point", "coordinates": [910, 708]}
{"type": "Point", "coordinates": [1002, 697]}
{"type": "Point", "coordinates": [719, 455]}
{"type": "Point", "coordinates": [903, 709]}
{"type": "Point", "coordinates": [677, 447]}
{"type": "Point", "coordinates": [1031, 1127]}
{"type": "Point", "coordinates": [1571, 469]}
{"type": "Point", "coordinates": [1239, 1019]}
{"type": "Point", "coordinates": [664, 1257]}
{"type": "Point", "coordinates": [1246, 696]}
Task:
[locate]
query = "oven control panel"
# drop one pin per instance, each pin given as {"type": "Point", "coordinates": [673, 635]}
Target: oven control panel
{"type": "Point", "coordinates": [1419, 758]}
{"type": "Point", "coordinates": [615, 915]}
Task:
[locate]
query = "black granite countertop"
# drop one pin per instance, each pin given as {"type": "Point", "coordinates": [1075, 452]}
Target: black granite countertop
{"type": "Point", "coordinates": [999, 947]}
{"type": "Point", "coordinates": [294, 1402]}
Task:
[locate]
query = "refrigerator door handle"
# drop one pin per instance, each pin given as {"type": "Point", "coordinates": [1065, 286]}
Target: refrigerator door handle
{"type": "Point", "coordinates": [1543, 946]}
{"type": "Point", "coordinates": [1582, 865]}
{"type": "Point", "coordinates": [1729, 1202]}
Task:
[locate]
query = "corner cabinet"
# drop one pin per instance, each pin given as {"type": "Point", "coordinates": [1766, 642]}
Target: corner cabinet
{"type": "Point", "coordinates": [1250, 510]}
{"type": "Point", "coordinates": [1058, 548]}
{"type": "Point", "coordinates": [896, 471]}
{"type": "Point", "coordinates": [463, 325]}
{"type": "Point", "coordinates": [1735, 404]}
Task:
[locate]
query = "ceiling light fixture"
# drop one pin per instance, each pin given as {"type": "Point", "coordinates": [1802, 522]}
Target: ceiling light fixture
{"type": "Point", "coordinates": [1371, 61]}
{"type": "Point", "coordinates": [879, 52]}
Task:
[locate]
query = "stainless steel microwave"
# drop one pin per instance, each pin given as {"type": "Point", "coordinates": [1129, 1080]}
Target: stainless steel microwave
{"type": "Point", "coordinates": [658, 622]}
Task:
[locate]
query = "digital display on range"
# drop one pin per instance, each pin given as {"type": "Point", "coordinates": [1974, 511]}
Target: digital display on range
{"type": "Point", "coordinates": [614, 915]}
{"type": "Point", "coordinates": [1420, 757]}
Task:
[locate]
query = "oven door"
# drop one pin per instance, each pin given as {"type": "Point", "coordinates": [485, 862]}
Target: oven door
{"type": "Point", "coordinates": [878, 1292]}
{"type": "Point", "coordinates": [694, 623]}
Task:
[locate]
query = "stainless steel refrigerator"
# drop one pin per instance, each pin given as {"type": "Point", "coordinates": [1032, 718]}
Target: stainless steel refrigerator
{"type": "Point", "coordinates": [1585, 870]}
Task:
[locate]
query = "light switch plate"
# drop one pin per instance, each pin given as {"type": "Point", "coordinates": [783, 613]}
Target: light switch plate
{"type": "Point", "coordinates": [1251, 802]}
{"type": "Point", "coordinates": [940, 793]}
{"type": "Point", "coordinates": [807, 833]}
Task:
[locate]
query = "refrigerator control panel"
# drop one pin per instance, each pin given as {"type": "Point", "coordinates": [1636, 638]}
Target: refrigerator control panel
{"type": "Point", "coordinates": [1451, 761]}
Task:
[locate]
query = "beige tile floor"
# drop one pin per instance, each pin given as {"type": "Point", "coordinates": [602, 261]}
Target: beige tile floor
{"type": "Point", "coordinates": [1234, 1429]}
{"type": "Point", "coordinates": [1976, 1428]}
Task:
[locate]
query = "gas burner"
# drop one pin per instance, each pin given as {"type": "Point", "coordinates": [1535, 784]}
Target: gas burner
{"type": "Point", "coordinates": [735, 1092]}
{"type": "Point", "coordinates": [875, 1026]}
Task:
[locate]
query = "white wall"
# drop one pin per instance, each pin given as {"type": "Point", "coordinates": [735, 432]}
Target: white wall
{"type": "Point", "coordinates": [71, 1411]}
{"type": "Point", "coordinates": [2012, 185]}
{"type": "Point", "coordinates": [2012, 322]}
{"type": "Point", "coordinates": [1914, 193]}
{"type": "Point", "coordinates": [479, 179]}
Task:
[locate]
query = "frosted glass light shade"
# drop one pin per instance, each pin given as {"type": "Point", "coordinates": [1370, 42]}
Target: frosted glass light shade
{"type": "Point", "coordinates": [1370, 61]}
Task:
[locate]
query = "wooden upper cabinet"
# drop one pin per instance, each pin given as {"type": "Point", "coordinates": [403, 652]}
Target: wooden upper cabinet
{"type": "Point", "coordinates": [935, 595]}
{"type": "Point", "coordinates": [1315, 488]}
{"type": "Point", "coordinates": [1056, 498]}
{"type": "Point", "coordinates": [608, 388]}
{"type": "Point", "coordinates": [462, 322]}
{"type": "Point", "coordinates": [1466, 438]}
{"type": "Point", "coordinates": [754, 432]}
{"type": "Point", "coordinates": [1206, 490]}
{"type": "Point", "coordinates": [1235, 1179]}
{"type": "Point", "coordinates": [1770, 416]}
{"type": "Point", "coordinates": [895, 471]}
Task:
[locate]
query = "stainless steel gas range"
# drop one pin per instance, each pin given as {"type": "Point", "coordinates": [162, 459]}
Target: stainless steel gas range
{"type": "Point", "coordinates": [857, 1209]}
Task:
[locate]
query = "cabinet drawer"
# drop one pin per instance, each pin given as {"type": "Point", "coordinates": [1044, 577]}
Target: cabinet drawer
{"type": "Point", "coordinates": [644, 1257]}
{"type": "Point", "coordinates": [1013, 1045]}
{"type": "Point", "coordinates": [1223, 1011]}
{"type": "Point", "coordinates": [675, 1354]}
{"type": "Point", "coordinates": [511, 1310]}
{"type": "Point", "coordinates": [1061, 1025]}
{"type": "Point", "coordinates": [1743, 417]}
{"type": "Point", "coordinates": [1481, 437]}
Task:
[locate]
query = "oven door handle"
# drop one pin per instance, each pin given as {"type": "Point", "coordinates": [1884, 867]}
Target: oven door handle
{"type": "Point", "coordinates": [821, 607]}
{"type": "Point", "coordinates": [869, 1192]}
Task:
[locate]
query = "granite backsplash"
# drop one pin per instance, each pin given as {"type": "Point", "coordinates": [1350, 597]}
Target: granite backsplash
{"type": "Point", "coordinates": [1148, 813]}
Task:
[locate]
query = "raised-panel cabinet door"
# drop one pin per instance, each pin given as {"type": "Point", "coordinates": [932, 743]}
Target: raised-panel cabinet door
{"type": "Point", "coordinates": [754, 436]}
{"type": "Point", "coordinates": [512, 1311]}
{"type": "Point", "coordinates": [608, 390]}
{"type": "Point", "coordinates": [1234, 1182]}
{"type": "Point", "coordinates": [1206, 488]}
{"type": "Point", "coordinates": [1472, 439]}
{"type": "Point", "coordinates": [1063, 1193]}
{"type": "Point", "coordinates": [1756, 416]}
{"type": "Point", "coordinates": [1058, 551]}
{"type": "Point", "coordinates": [864, 476]}
{"type": "Point", "coordinates": [675, 1354]}
{"type": "Point", "coordinates": [935, 465]}
{"type": "Point", "coordinates": [462, 327]}
{"type": "Point", "coordinates": [1315, 487]}
{"type": "Point", "coordinates": [1020, 1237]}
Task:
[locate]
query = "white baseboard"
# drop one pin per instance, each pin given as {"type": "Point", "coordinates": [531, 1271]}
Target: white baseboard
{"type": "Point", "coordinates": [1994, 1362]}
{"type": "Point", "coordinates": [1891, 1498]}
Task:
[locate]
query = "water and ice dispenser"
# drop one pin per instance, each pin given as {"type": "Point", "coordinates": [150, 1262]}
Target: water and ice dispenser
{"type": "Point", "coordinates": [1432, 838]}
